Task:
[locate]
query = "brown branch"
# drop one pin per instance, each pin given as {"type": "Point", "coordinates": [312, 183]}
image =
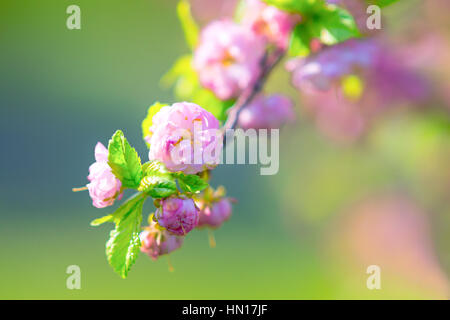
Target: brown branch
{"type": "Point", "coordinates": [268, 62]}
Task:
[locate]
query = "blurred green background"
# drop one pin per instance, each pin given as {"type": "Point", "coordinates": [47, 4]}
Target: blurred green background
{"type": "Point", "coordinates": [292, 235]}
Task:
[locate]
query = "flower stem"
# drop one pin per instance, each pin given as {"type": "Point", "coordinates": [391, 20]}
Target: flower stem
{"type": "Point", "coordinates": [171, 268]}
{"type": "Point", "coordinates": [212, 239]}
{"type": "Point", "coordinates": [79, 189]}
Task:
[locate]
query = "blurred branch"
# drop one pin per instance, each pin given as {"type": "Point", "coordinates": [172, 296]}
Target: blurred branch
{"type": "Point", "coordinates": [268, 62]}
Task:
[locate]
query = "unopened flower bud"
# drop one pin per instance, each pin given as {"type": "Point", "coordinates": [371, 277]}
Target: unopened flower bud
{"type": "Point", "coordinates": [178, 215]}
{"type": "Point", "coordinates": [156, 242]}
{"type": "Point", "coordinates": [215, 214]}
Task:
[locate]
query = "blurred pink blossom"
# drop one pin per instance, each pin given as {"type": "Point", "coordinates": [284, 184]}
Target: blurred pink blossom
{"type": "Point", "coordinates": [394, 233]}
{"type": "Point", "coordinates": [384, 80]}
{"type": "Point", "coordinates": [216, 214]}
{"type": "Point", "coordinates": [228, 58]}
{"type": "Point", "coordinates": [269, 112]}
{"type": "Point", "coordinates": [208, 10]}
{"type": "Point", "coordinates": [273, 24]}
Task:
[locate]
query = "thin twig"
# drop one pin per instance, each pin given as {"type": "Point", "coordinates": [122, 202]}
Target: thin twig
{"type": "Point", "coordinates": [268, 62]}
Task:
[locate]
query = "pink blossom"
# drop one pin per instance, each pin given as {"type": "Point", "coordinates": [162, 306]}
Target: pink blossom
{"type": "Point", "coordinates": [178, 215]}
{"type": "Point", "coordinates": [215, 214]}
{"type": "Point", "coordinates": [369, 59]}
{"type": "Point", "coordinates": [228, 58]}
{"type": "Point", "coordinates": [337, 118]}
{"type": "Point", "coordinates": [267, 112]}
{"type": "Point", "coordinates": [273, 24]}
{"type": "Point", "coordinates": [382, 80]}
{"type": "Point", "coordinates": [185, 137]}
{"type": "Point", "coordinates": [156, 242]}
{"type": "Point", "coordinates": [320, 71]}
{"type": "Point", "coordinates": [104, 187]}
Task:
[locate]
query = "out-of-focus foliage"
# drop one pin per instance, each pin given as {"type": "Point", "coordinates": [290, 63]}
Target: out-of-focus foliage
{"type": "Point", "coordinates": [147, 122]}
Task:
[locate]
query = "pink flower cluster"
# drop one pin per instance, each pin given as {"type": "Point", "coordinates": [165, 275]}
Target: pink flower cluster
{"type": "Point", "coordinates": [104, 187]}
{"type": "Point", "coordinates": [185, 137]}
{"type": "Point", "coordinates": [156, 242]}
{"type": "Point", "coordinates": [267, 112]}
{"type": "Point", "coordinates": [228, 58]}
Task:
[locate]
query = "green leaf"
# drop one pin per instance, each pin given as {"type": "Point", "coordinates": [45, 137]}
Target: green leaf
{"type": "Point", "coordinates": [381, 3]}
{"type": "Point", "coordinates": [179, 68]}
{"type": "Point", "coordinates": [148, 121]}
{"type": "Point", "coordinates": [208, 101]}
{"type": "Point", "coordinates": [124, 161]}
{"type": "Point", "coordinates": [158, 181]}
{"type": "Point", "coordinates": [158, 186]}
{"type": "Point", "coordinates": [303, 7]}
{"type": "Point", "coordinates": [123, 245]}
{"type": "Point", "coordinates": [328, 23]}
{"type": "Point", "coordinates": [191, 182]}
{"type": "Point", "coordinates": [120, 211]}
{"type": "Point", "coordinates": [190, 27]}
{"type": "Point", "coordinates": [183, 77]}
{"type": "Point", "coordinates": [300, 41]}
{"type": "Point", "coordinates": [337, 25]}
{"type": "Point", "coordinates": [154, 167]}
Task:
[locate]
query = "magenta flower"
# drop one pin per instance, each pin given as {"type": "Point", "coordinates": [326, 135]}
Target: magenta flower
{"type": "Point", "coordinates": [228, 58]}
{"type": "Point", "coordinates": [267, 112]}
{"type": "Point", "coordinates": [104, 187]}
{"type": "Point", "coordinates": [215, 214]}
{"type": "Point", "coordinates": [156, 242]}
{"type": "Point", "coordinates": [178, 215]}
{"type": "Point", "coordinates": [185, 137]}
{"type": "Point", "coordinates": [273, 24]}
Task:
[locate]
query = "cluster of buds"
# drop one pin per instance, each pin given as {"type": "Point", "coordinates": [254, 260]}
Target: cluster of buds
{"type": "Point", "coordinates": [187, 129]}
{"type": "Point", "coordinates": [182, 128]}
{"type": "Point", "coordinates": [231, 61]}
{"type": "Point", "coordinates": [177, 216]}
